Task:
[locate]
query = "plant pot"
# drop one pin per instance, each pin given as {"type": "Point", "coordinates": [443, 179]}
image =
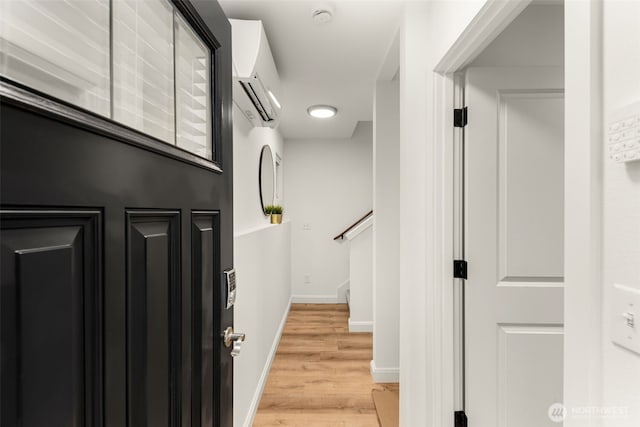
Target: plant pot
{"type": "Point", "coordinates": [276, 218]}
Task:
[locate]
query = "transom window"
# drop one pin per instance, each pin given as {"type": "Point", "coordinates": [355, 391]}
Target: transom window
{"type": "Point", "coordinates": [137, 62]}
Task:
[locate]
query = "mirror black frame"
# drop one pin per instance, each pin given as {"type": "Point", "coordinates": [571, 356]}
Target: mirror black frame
{"type": "Point", "coordinates": [262, 154]}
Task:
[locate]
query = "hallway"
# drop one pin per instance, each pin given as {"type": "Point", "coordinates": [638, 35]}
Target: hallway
{"type": "Point", "coordinates": [320, 375]}
{"type": "Point", "coordinates": [178, 177]}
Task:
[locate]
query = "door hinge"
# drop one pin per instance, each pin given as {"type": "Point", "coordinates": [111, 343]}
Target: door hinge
{"type": "Point", "coordinates": [460, 116]}
{"type": "Point", "coordinates": [459, 269]}
{"type": "Point", "coordinates": [459, 419]}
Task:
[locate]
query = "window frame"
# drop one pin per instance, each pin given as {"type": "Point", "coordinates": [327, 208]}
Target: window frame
{"type": "Point", "coordinates": [15, 93]}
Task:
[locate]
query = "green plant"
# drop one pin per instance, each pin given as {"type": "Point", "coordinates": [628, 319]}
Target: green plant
{"type": "Point", "coordinates": [273, 209]}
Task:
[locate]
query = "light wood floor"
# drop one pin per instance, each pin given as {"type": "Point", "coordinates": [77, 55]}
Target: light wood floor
{"type": "Point", "coordinates": [320, 376]}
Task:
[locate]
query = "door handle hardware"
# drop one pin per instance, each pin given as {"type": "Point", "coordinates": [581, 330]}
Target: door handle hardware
{"type": "Point", "coordinates": [237, 346]}
{"type": "Point", "coordinates": [232, 338]}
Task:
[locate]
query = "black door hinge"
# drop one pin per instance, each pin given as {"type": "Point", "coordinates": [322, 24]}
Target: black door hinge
{"type": "Point", "coordinates": [460, 116]}
{"type": "Point", "coordinates": [459, 269]}
{"type": "Point", "coordinates": [459, 419]}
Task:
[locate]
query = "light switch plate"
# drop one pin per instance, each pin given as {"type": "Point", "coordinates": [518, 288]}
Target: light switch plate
{"type": "Point", "coordinates": [625, 315]}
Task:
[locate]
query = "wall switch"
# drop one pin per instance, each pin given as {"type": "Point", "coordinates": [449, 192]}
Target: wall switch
{"type": "Point", "coordinates": [626, 317]}
{"type": "Point", "coordinates": [307, 278]}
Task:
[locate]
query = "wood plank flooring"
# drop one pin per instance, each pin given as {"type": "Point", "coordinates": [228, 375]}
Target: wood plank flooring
{"type": "Point", "coordinates": [320, 376]}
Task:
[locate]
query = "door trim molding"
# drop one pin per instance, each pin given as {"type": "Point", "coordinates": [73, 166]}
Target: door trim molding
{"type": "Point", "coordinates": [446, 368]}
{"type": "Point", "coordinates": [490, 21]}
{"type": "Point", "coordinates": [583, 269]}
{"type": "Point", "coordinates": [583, 53]}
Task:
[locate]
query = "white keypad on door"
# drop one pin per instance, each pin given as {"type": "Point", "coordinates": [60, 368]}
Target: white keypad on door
{"type": "Point", "coordinates": [623, 134]}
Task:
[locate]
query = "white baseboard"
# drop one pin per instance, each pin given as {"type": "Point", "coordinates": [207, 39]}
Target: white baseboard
{"type": "Point", "coordinates": [384, 375]}
{"type": "Point", "coordinates": [316, 299]}
{"type": "Point", "coordinates": [360, 326]}
{"type": "Point", "coordinates": [255, 402]}
{"type": "Point", "coordinates": [342, 290]}
{"type": "Point", "coordinates": [338, 298]}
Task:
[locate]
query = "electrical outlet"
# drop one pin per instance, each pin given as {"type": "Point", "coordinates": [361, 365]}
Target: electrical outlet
{"type": "Point", "coordinates": [307, 278]}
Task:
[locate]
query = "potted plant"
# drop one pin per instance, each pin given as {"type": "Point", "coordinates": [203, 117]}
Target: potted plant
{"type": "Point", "coordinates": [276, 213]}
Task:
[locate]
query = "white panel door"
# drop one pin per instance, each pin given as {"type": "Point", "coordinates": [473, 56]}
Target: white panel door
{"type": "Point", "coordinates": [514, 245]}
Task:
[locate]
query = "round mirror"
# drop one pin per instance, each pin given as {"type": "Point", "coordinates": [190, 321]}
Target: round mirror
{"type": "Point", "coordinates": [266, 177]}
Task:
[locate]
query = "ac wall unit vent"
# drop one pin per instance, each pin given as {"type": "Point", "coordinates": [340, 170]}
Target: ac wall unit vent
{"type": "Point", "coordinates": [256, 85]}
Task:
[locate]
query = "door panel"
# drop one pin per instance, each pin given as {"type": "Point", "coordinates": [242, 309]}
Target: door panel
{"type": "Point", "coordinates": [153, 261]}
{"type": "Point", "coordinates": [50, 306]}
{"type": "Point", "coordinates": [144, 258]}
{"type": "Point", "coordinates": [527, 378]}
{"type": "Point", "coordinates": [206, 244]}
{"type": "Point", "coordinates": [514, 245]}
{"type": "Point", "coordinates": [531, 158]}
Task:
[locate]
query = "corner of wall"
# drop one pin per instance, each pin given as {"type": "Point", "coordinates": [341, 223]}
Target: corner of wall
{"type": "Point", "coordinates": [384, 375]}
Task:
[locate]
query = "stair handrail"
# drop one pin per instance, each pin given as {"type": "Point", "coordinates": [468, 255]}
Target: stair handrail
{"type": "Point", "coordinates": [352, 226]}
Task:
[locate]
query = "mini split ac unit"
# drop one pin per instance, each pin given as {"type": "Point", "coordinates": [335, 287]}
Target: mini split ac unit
{"type": "Point", "coordinates": [256, 84]}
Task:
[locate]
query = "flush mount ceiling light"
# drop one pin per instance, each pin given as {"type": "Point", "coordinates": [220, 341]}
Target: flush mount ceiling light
{"type": "Point", "coordinates": [322, 111]}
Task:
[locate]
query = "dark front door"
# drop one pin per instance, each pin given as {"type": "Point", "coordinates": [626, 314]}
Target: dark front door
{"type": "Point", "coordinates": [113, 252]}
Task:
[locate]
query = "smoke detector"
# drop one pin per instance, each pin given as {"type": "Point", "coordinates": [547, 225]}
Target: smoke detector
{"type": "Point", "coordinates": [322, 15]}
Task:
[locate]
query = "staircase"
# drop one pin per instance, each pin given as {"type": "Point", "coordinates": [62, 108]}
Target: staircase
{"type": "Point", "coordinates": [359, 295]}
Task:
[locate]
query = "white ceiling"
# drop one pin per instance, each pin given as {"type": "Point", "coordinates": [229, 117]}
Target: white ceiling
{"type": "Point", "coordinates": [334, 63]}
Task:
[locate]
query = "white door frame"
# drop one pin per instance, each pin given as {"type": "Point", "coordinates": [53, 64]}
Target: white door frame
{"type": "Point", "coordinates": [583, 203]}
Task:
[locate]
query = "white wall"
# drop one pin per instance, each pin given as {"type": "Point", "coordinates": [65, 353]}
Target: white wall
{"type": "Point", "coordinates": [621, 263]}
{"type": "Point", "coordinates": [360, 282]}
{"type": "Point", "coordinates": [262, 260]}
{"type": "Point", "coordinates": [262, 254]}
{"type": "Point", "coordinates": [247, 144]}
{"type": "Point", "coordinates": [386, 226]}
{"type": "Point", "coordinates": [328, 187]}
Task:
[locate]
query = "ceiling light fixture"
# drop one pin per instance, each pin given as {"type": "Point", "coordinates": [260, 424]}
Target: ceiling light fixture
{"type": "Point", "coordinates": [322, 111]}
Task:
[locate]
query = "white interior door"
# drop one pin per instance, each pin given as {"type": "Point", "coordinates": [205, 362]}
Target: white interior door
{"type": "Point", "coordinates": [514, 245]}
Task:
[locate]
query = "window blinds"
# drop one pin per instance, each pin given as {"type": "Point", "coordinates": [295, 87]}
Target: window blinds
{"type": "Point", "coordinates": [193, 91]}
{"type": "Point", "coordinates": [58, 47]}
{"type": "Point", "coordinates": [143, 66]}
{"type": "Point", "coordinates": [161, 81]}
